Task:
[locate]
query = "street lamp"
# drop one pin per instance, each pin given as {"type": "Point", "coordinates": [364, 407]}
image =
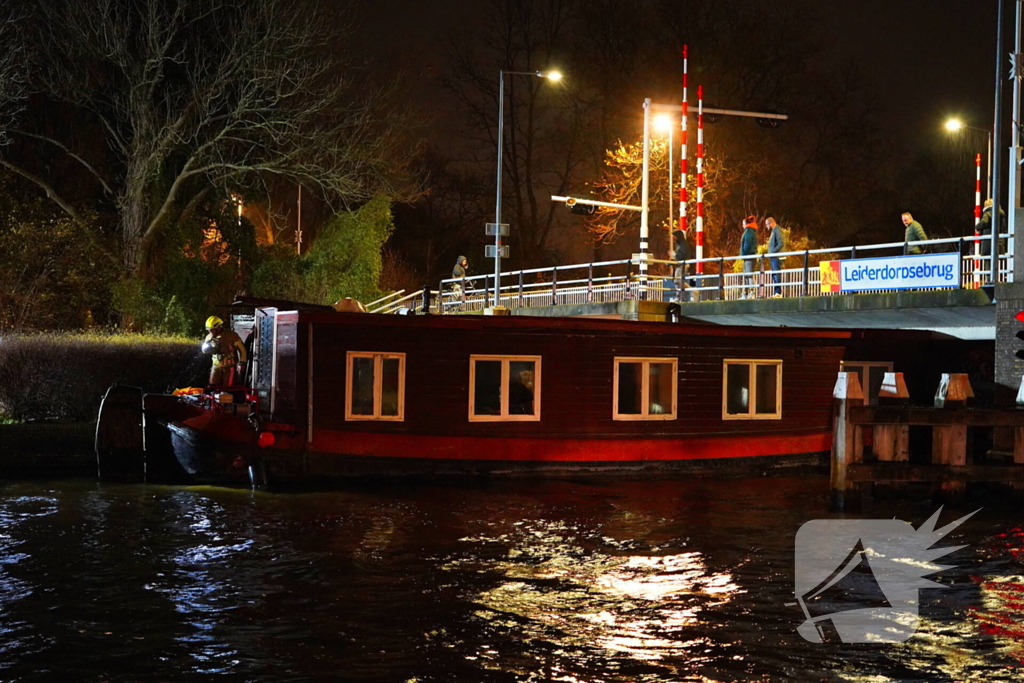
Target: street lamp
{"type": "Point", "coordinates": [551, 76]}
{"type": "Point", "coordinates": [956, 125]}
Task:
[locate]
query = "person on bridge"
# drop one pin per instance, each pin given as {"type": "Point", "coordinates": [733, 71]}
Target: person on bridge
{"type": "Point", "coordinates": [460, 271]}
{"type": "Point", "coordinates": [680, 254]}
{"type": "Point", "coordinates": [748, 247]}
{"type": "Point", "coordinates": [914, 233]}
{"type": "Point", "coordinates": [776, 244]}
{"type": "Point", "coordinates": [985, 227]}
{"type": "Point", "coordinates": [228, 353]}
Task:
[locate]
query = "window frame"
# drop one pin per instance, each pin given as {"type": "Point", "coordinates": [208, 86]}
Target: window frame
{"type": "Point", "coordinates": [504, 386]}
{"type": "Point", "coordinates": [645, 384]}
{"type": "Point", "coordinates": [378, 386]}
{"type": "Point", "coordinates": [752, 364]}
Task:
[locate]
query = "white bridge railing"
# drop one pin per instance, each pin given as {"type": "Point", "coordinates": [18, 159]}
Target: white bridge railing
{"type": "Point", "coordinates": [723, 279]}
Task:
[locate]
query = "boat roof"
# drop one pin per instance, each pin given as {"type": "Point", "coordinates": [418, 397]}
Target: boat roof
{"type": "Point", "coordinates": [583, 325]}
{"type": "Point", "coordinates": [280, 304]}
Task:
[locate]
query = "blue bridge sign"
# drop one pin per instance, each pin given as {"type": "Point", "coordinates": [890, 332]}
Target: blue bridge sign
{"type": "Point", "coordinates": [920, 271]}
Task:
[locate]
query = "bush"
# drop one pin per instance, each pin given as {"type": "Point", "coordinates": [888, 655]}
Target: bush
{"type": "Point", "coordinates": [344, 261]}
{"type": "Point", "coordinates": [65, 376]}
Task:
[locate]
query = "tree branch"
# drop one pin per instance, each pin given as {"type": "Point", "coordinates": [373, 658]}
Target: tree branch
{"type": "Point", "coordinates": [106, 187]}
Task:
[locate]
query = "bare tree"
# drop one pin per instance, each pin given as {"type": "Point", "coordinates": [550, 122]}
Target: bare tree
{"type": "Point", "coordinates": [201, 97]}
{"type": "Point", "coordinates": [544, 143]}
{"type": "Point", "coordinates": [731, 189]}
{"type": "Point", "coordinates": [13, 71]}
{"type": "Point", "coordinates": [446, 220]}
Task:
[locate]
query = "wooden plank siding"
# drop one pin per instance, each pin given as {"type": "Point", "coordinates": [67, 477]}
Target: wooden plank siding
{"type": "Point", "coordinates": [576, 373]}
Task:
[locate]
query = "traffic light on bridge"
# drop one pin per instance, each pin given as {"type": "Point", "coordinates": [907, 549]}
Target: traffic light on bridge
{"type": "Point", "coordinates": [578, 209]}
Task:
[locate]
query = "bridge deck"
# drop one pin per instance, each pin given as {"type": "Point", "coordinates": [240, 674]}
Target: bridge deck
{"type": "Point", "coordinates": [962, 313]}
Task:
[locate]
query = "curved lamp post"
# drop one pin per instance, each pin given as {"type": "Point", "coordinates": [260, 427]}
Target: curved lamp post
{"type": "Point", "coordinates": [551, 76]}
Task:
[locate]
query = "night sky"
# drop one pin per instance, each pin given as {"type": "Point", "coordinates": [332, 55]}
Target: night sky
{"type": "Point", "coordinates": [924, 60]}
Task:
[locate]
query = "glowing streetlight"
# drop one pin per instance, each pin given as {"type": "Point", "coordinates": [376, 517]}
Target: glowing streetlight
{"type": "Point", "coordinates": [955, 125]}
{"type": "Point", "coordinates": [553, 76]}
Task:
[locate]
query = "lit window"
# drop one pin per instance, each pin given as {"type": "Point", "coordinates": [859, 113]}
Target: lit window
{"type": "Point", "coordinates": [376, 386]}
{"type": "Point", "coordinates": [504, 388]}
{"type": "Point", "coordinates": [752, 390]}
{"type": "Point", "coordinates": [645, 389]}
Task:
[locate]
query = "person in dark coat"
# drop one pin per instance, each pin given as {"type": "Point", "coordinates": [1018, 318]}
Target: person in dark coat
{"type": "Point", "coordinates": [748, 247]}
{"type": "Point", "coordinates": [776, 244]}
{"type": "Point", "coordinates": [460, 271]}
{"type": "Point", "coordinates": [680, 254]}
{"type": "Point", "coordinates": [914, 233]}
{"type": "Point", "coordinates": [984, 227]}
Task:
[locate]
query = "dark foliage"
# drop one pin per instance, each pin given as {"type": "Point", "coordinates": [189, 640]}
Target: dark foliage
{"type": "Point", "coordinates": [65, 377]}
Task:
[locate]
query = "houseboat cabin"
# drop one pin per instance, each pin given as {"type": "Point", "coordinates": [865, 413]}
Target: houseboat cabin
{"type": "Point", "coordinates": [337, 394]}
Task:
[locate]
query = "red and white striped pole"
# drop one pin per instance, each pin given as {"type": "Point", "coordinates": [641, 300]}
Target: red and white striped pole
{"type": "Point", "coordinates": [977, 191]}
{"type": "Point", "coordinates": [700, 179]}
{"type": "Point", "coordinates": [683, 163]}
{"type": "Point", "coordinates": [977, 215]}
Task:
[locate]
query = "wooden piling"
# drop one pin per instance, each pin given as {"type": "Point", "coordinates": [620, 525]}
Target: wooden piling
{"type": "Point", "coordinates": [952, 465]}
{"type": "Point", "coordinates": [891, 443]}
{"type": "Point", "coordinates": [949, 442]}
{"type": "Point", "coordinates": [847, 441]}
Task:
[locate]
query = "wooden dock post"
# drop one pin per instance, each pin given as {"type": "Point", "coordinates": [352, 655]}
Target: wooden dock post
{"type": "Point", "coordinates": [949, 442]}
{"type": "Point", "coordinates": [891, 443]}
{"type": "Point", "coordinates": [847, 441]}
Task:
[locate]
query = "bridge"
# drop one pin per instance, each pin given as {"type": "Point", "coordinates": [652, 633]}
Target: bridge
{"type": "Point", "coordinates": [724, 294]}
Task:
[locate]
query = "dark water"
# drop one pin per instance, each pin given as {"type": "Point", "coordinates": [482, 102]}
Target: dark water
{"type": "Point", "coordinates": [670, 580]}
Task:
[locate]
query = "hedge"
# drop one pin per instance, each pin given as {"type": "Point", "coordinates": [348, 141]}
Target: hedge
{"type": "Point", "coordinates": [64, 377]}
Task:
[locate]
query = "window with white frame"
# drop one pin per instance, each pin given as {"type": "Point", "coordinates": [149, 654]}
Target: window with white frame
{"type": "Point", "coordinates": [645, 389]}
{"type": "Point", "coordinates": [504, 388]}
{"type": "Point", "coordinates": [752, 389]}
{"type": "Point", "coordinates": [376, 386]}
{"type": "Point", "coordinates": [871, 375]}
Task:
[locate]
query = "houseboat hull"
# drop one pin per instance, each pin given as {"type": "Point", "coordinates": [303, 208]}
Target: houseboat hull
{"type": "Point", "coordinates": [213, 458]}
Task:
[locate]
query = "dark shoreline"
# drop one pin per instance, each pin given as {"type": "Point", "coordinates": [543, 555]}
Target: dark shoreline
{"type": "Point", "coordinates": [47, 449]}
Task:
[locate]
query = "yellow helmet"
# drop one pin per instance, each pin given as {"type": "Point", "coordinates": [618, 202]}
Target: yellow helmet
{"type": "Point", "coordinates": [213, 321]}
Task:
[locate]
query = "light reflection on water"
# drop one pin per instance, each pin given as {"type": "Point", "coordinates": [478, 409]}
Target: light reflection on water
{"type": "Point", "coordinates": [199, 587]}
{"type": "Point", "coordinates": [500, 581]}
{"type": "Point", "coordinates": [637, 607]}
{"type": "Point", "coordinates": [16, 635]}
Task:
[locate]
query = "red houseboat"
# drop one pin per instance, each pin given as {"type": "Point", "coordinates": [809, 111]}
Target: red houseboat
{"type": "Point", "coordinates": [336, 394]}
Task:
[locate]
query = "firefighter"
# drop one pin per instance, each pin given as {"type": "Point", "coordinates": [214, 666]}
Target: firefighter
{"type": "Point", "coordinates": [228, 353]}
